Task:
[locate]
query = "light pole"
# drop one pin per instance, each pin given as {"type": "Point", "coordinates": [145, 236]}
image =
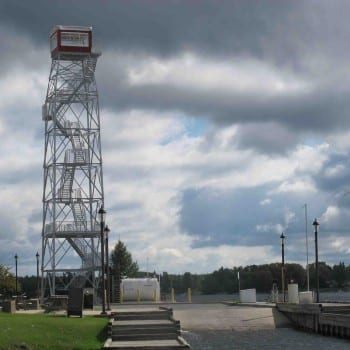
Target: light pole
{"type": "Point", "coordinates": [307, 250]}
{"type": "Point", "coordinates": [107, 230]}
{"type": "Point", "coordinates": [37, 275]}
{"type": "Point", "coordinates": [16, 288]}
{"type": "Point", "coordinates": [102, 214]}
{"type": "Point", "coordinates": [316, 224]}
{"type": "Point", "coordinates": [283, 287]}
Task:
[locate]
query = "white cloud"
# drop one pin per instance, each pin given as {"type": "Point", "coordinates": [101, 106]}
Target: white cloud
{"type": "Point", "coordinates": [265, 201]}
{"type": "Point", "coordinates": [335, 171]}
{"type": "Point", "coordinates": [297, 186]}
{"type": "Point", "coordinates": [236, 75]}
{"type": "Point", "coordinates": [277, 228]}
{"type": "Point", "coordinates": [331, 215]}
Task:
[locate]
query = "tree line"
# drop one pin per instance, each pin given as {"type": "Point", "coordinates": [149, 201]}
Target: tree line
{"type": "Point", "coordinates": [223, 280]}
{"type": "Point", "coordinates": [261, 277]}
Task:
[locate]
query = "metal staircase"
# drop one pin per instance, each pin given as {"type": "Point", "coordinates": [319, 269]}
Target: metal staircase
{"type": "Point", "coordinates": [78, 246]}
{"type": "Point", "coordinates": [65, 191]}
{"type": "Point", "coordinates": [89, 67]}
{"type": "Point", "coordinates": [79, 215]}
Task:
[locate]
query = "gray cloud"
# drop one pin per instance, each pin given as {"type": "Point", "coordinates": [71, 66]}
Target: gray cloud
{"type": "Point", "coordinates": [299, 38]}
{"type": "Point", "coordinates": [334, 178]}
{"type": "Point", "coordinates": [269, 138]}
{"type": "Point", "coordinates": [158, 26]}
{"type": "Point", "coordinates": [232, 217]}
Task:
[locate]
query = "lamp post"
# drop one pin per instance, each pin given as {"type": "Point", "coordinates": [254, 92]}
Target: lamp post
{"type": "Point", "coordinates": [37, 275]}
{"type": "Point", "coordinates": [316, 224]}
{"type": "Point", "coordinates": [307, 250]}
{"type": "Point", "coordinates": [16, 288]}
{"type": "Point", "coordinates": [107, 230]}
{"type": "Point", "coordinates": [283, 287]}
{"type": "Point", "coordinates": [102, 214]}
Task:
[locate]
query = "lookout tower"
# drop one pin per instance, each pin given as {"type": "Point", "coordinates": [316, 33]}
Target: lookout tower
{"type": "Point", "coordinates": [73, 178]}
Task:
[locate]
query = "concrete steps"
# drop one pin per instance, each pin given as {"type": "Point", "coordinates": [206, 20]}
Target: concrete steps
{"type": "Point", "coordinates": [146, 345]}
{"type": "Point", "coordinates": [151, 329]}
{"type": "Point", "coordinates": [144, 315]}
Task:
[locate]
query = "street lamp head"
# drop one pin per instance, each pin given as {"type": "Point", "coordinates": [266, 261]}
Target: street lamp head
{"type": "Point", "coordinates": [282, 237]}
{"type": "Point", "coordinates": [37, 255]}
{"type": "Point", "coordinates": [16, 256]}
{"type": "Point", "coordinates": [107, 230]}
{"type": "Point", "coordinates": [315, 224]}
{"type": "Point", "coordinates": [102, 214]}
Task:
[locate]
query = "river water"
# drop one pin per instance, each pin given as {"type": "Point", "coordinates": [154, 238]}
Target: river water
{"type": "Point", "coordinates": [275, 339]}
{"type": "Point", "coordinates": [324, 297]}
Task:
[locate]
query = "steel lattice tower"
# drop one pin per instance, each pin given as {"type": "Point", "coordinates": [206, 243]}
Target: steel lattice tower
{"type": "Point", "coordinates": [73, 178]}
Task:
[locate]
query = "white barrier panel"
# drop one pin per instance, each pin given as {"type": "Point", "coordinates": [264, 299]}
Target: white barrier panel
{"type": "Point", "coordinates": [247, 295]}
{"type": "Point", "coordinates": [274, 296]}
{"type": "Point", "coordinates": [293, 295]}
{"type": "Point", "coordinates": [305, 298]}
{"type": "Point", "coordinates": [144, 289]}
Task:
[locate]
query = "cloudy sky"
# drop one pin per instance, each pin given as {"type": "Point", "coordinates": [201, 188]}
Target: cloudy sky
{"type": "Point", "coordinates": [220, 120]}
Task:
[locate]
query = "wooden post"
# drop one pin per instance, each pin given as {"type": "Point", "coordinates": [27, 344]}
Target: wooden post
{"type": "Point", "coordinates": [189, 295]}
{"type": "Point", "coordinates": [138, 293]}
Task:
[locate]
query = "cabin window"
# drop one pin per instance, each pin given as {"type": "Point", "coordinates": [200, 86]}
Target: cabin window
{"type": "Point", "coordinates": [74, 39]}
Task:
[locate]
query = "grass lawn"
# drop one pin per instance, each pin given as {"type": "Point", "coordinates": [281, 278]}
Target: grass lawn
{"type": "Point", "coordinates": [43, 331]}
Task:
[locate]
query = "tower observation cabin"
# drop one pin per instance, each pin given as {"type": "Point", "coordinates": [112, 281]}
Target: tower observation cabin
{"type": "Point", "coordinates": [70, 41]}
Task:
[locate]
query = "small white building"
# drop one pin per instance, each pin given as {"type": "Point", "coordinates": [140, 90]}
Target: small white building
{"type": "Point", "coordinates": [140, 289]}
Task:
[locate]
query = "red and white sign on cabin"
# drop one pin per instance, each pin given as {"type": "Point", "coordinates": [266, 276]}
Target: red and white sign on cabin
{"type": "Point", "coordinates": [70, 40]}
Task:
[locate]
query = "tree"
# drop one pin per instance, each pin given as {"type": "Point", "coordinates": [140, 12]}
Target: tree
{"type": "Point", "coordinates": [187, 280]}
{"type": "Point", "coordinates": [209, 285]}
{"type": "Point", "coordinates": [325, 274]}
{"type": "Point", "coordinates": [7, 282]}
{"type": "Point", "coordinates": [339, 275]}
{"type": "Point", "coordinates": [29, 286]}
{"type": "Point", "coordinates": [122, 262]}
{"type": "Point", "coordinates": [296, 273]}
{"type": "Point", "coordinates": [165, 283]}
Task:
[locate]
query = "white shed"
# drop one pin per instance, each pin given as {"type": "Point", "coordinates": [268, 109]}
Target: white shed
{"type": "Point", "coordinates": [143, 289]}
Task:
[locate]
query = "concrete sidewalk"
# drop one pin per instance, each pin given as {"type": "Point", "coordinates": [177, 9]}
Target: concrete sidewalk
{"type": "Point", "coordinates": [223, 317]}
{"type": "Point", "coordinates": [212, 316]}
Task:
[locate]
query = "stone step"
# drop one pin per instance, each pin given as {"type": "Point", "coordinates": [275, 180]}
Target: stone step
{"type": "Point", "coordinates": [145, 330]}
{"type": "Point", "coordinates": [132, 325]}
{"type": "Point", "coordinates": [161, 315]}
{"type": "Point", "coordinates": [145, 336]}
{"type": "Point", "coordinates": [146, 312]}
{"type": "Point", "coordinates": [159, 323]}
{"type": "Point", "coordinates": [168, 344]}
